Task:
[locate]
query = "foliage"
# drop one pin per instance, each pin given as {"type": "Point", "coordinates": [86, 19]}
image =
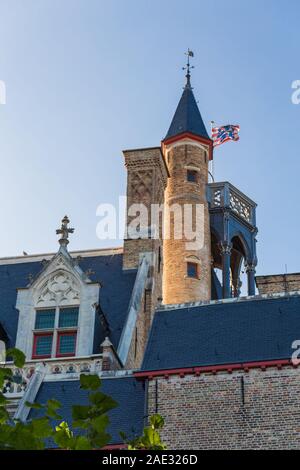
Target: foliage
{"type": "Point", "coordinates": [88, 426]}
{"type": "Point", "coordinates": [150, 439]}
{"type": "Point", "coordinates": [89, 421]}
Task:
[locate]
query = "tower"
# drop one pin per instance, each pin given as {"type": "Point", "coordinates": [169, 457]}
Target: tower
{"type": "Point", "coordinates": [187, 150]}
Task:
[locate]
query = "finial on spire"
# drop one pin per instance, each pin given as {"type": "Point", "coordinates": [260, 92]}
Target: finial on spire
{"type": "Point", "coordinates": [64, 232]}
{"type": "Point", "coordinates": [188, 68]}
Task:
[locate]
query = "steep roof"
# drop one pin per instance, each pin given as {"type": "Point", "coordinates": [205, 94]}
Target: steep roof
{"type": "Point", "coordinates": [114, 294]}
{"type": "Point", "coordinates": [13, 276]}
{"type": "Point", "coordinates": [127, 391]}
{"type": "Point", "coordinates": [187, 117]}
{"type": "Point", "coordinates": [116, 289]}
{"type": "Point", "coordinates": [223, 333]}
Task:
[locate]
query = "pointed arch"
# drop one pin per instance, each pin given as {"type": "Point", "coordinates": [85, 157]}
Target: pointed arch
{"type": "Point", "coordinates": [240, 244]}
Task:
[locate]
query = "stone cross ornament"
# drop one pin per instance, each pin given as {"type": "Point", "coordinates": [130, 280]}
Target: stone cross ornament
{"type": "Point", "coordinates": [64, 231]}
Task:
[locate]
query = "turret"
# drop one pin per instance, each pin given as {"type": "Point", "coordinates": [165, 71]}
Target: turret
{"type": "Point", "coordinates": [187, 149]}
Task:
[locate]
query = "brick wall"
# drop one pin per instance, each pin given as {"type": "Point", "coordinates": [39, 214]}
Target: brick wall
{"type": "Point", "coordinates": [213, 412]}
{"type": "Point", "coordinates": [177, 286]}
{"type": "Point", "coordinates": [278, 283]}
{"type": "Point", "coordinates": [146, 181]}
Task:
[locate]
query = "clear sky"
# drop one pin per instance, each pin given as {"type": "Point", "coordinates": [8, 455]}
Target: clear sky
{"type": "Point", "coordinates": [88, 78]}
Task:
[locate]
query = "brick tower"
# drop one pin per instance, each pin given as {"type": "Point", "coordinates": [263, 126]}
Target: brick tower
{"type": "Point", "coordinates": [187, 149]}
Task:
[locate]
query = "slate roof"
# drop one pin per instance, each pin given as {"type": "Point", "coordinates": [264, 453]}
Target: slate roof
{"type": "Point", "coordinates": [13, 276]}
{"type": "Point", "coordinates": [127, 391]}
{"type": "Point", "coordinates": [114, 299]}
{"type": "Point", "coordinates": [115, 293]}
{"type": "Point", "coordinates": [225, 333]}
{"type": "Point", "coordinates": [187, 117]}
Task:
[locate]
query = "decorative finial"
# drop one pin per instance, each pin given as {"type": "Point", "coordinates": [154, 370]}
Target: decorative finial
{"type": "Point", "coordinates": [188, 68]}
{"type": "Point", "coordinates": [64, 232]}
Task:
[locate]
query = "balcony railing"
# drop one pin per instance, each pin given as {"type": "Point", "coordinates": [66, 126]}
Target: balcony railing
{"type": "Point", "coordinates": [54, 367]}
{"type": "Point", "coordinates": [225, 195]}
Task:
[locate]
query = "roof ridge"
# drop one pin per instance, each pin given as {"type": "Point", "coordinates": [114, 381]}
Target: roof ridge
{"type": "Point", "coordinates": [41, 256]}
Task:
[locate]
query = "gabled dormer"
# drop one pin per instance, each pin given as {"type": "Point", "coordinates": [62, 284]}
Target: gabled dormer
{"type": "Point", "coordinates": [57, 310]}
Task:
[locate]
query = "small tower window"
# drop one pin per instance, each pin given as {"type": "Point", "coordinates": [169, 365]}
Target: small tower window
{"type": "Point", "coordinates": [193, 270]}
{"type": "Point", "coordinates": [192, 176]}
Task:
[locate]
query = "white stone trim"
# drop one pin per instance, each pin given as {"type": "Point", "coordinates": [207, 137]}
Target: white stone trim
{"type": "Point", "coordinates": [30, 393]}
{"type": "Point", "coordinates": [192, 259]}
{"type": "Point", "coordinates": [80, 292]}
{"type": "Point", "coordinates": [191, 167]}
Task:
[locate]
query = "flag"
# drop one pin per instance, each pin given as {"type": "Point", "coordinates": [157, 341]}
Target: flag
{"type": "Point", "coordinates": [222, 134]}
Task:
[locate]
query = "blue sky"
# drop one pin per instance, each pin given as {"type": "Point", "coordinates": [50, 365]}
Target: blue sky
{"type": "Point", "coordinates": [86, 79]}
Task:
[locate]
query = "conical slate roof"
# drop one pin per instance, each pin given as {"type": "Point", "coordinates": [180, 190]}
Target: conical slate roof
{"type": "Point", "coordinates": [187, 117]}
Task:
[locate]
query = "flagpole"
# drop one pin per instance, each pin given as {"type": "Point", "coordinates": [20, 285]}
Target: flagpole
{"type": "Point", "coordinates": [212, 162]}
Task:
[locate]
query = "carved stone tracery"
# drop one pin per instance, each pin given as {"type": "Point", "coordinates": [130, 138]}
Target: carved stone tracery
{"type": "Point", "coordinates": [59, 287]}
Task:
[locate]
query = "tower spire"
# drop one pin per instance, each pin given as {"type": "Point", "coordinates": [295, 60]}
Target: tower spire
{"type": "Point", "coordinates": [187, 117]}
{"type": "Point", "coordinates": [188, 68]}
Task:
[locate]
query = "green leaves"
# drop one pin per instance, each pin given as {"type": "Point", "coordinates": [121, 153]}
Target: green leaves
{"type": "Point", "coordinates": [157, 421]}
{"type": "Point", "coordinates": [51, 407]}
{"type": "Point", "coordinates": [17, 356]}
{"type": "Point", "coordinates": [65, 439]}
{"type": "Point", "coordinates": [41, 427]}
{"type": "Point", "coordinates": [63, 436]}
{"type": "Point", "coordinates": [150, 440]}
{"type": "Point", "coordinates": [36, 406]}
{"type": "Point", "coordinates": [90, 421]}
{"type": "Point", "coordinates": [2, 399]}
{"type": "Point", "coordinates": [92, 418]}
{"type": "Point", "coordinates": [4, 416]}
{"type": "Point", "coordinates": [89, 382]}
{"type": "Point", "coordinates": [5, 374]}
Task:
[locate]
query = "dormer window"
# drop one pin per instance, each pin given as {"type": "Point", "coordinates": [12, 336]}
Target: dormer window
{"type": "Point", "coordinates": [57, 312]}
{"type": "Point", "coordinates": [55, 332]}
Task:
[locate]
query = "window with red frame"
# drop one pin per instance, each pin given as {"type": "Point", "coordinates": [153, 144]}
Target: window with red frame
{"type": "Point", "coordinates": [66, 344]}
{"type": "Point", "coordinates": [61, 320]}
{"type": "Point", "coordinates": [42, 345]}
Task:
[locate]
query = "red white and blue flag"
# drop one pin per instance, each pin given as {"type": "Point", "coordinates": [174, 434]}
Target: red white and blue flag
{"type": "Point", "coordinates": [222, 134]}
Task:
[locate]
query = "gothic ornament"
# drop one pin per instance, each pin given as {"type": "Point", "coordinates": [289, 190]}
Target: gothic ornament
{"type": "Point", "coordinates": [60, 287]}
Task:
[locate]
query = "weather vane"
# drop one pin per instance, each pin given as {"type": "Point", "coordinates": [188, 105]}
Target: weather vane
{"type": "Point", "coordinates": [188, 68]}
{"type": "Point", "coordinates": [64, 232]}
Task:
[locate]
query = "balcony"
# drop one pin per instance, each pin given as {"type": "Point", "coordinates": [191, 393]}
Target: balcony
{"type": "Point", "coordinates": [55, 369]}
{"type": "Point", "coordinates": [225, 196]}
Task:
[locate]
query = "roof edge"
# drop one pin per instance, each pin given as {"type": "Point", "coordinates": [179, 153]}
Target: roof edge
{"type": "Point", "coordinates": [48, 256]}
{"type": "Point", "coordinates": [229, 368]}
{"type": "Point", "coordinates": [277, 295]}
